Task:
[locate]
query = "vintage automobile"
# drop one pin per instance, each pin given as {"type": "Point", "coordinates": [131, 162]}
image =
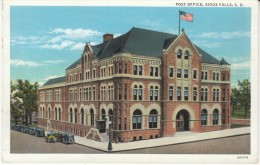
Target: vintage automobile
{"type": "Point", "coordinates": [67, 138]}
{"type": "Point", "coordinates": [39, 132]}
{"type": "Point", "coordinates": [18, 127]}
{"type": "Point", "coordinates": [57, 135]}
{"type": "Point", "coordinates": [24, 129]}
{"type": "Point", "coordinates": [50, 138]}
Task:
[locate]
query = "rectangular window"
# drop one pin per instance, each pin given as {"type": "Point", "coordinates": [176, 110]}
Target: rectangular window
{"type": "Point", "coordinates": [80, 76]}
{"type": "Point", "coordinates": [151, 93]}
{"type": "Point", "coordinates": [170, 72]}
{"type": "Point", "coordinates": [202, 75]}
{"type": "Point", "coordinates": [135, 69]}
{"type": "Point", "coordinates": [140, 70]}
{"type": "Point", "coordinates": [94, 73]}
{"type": "Point", "coordinates": [195, 93]}
{"type": "Point", "coordinates": [194, 74]}
{"type": "Point", "coordinates": [156, 71]}
{"type": "Point", "coordinates": [135, 94]}
{"type": "Point", "coordinates": [94, 93]}
{"type": "Point", "coordinates": [178, 93]}
{"type": "Point", "coordinates": [125, 91]}
{"type": "Point", "coordinates": [186, 93]}
{"type": "Point", "coordinates": [156, 94]}
{"type": "Point", "coordinates": [120, 68]}
{"type": "Point", "coordinates": [125, 67]}
{"type": "Point", "coordinates": [151, 71]}
{"type": "Point", "coordinates": [206, 75]}
{"type": "Point", "coordinates": [170, 92]}
{"type": "Point", "coordinates": [217, 76]}
{"type": "Point", "coordinates": [186, 71]}
{"type": "Point", "coordinates": [140, 94]}
{"type": "Point", "coordinates": [179, 73]}
{"type": "Point", "coordinates": [214, 76]}
{"type": "Point", "coordinates": [223, 77]}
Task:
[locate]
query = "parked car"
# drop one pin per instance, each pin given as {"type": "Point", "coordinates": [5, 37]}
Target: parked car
{"type": "Point", "coordinates": [24, 129]}
{"type": "Point", "coordinates": [39, 132]}
{"type": "Point", "coordinates": [50, 138]}
{"type": "Point", "coordinates": [18, 127]}
{"type": "Point", "coordinates": [67, 138]}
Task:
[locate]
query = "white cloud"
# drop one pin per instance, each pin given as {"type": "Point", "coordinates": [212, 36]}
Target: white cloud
{"type": "Point", "coordinates": [78, 46]}
{"type": "Point", "coordinates": [19, 62]}
{"type": "Point", "coordinates": [76, 33]}
{"type": "Point", "coordinates": [225, 35]}
{"type": "Point", "coordinates": [62, 45]}
{"type": "Point", "coordinates": [208, 44]}
{"type": "Point", "coordinates": [51, 77]}
{"type": "Point", "coordinates": [241, 65]}
{"type": "Point", "coordinates": [54, 61]}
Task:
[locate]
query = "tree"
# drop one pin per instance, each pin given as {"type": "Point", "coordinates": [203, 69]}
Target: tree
{"type": "Point", "coordinates": [15, 104]}
{"type": "Point", "coordinates": [235, 95]}
{"type": "Point", "coordinates": [28, 94]}
{"type": "Point", "coordinates": [245, 95]}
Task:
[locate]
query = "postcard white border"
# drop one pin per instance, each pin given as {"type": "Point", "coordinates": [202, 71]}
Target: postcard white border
{"type": "Point", "coordinates": [119, 158]}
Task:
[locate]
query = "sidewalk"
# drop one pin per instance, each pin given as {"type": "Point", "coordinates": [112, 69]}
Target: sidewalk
{"type": "Point", "coordinates": [179, 138]}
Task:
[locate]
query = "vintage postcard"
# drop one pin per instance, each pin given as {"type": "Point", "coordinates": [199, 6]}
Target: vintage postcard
{"type": "Point", "coordinates": [130, 82]}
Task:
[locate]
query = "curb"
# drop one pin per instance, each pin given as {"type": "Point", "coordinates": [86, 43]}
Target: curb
{"type": "Point", "coordinates": [164, 141]}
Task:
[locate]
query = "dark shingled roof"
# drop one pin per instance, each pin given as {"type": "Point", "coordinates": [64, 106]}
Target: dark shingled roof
{"type": "Point", "coordinates": [142, 42]}
{"type": "Point", "coordinates": [207, 58]}
{"type": "Point", "coordinates": [224, 62]}
{"type": "Point", "coordinates": [74, 64]}
{"type": "Point", "coordinates": [55, 80]}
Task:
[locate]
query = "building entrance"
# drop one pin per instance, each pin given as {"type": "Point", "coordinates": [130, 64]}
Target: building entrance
{"type": "Point", "coordinates": [183, 120]}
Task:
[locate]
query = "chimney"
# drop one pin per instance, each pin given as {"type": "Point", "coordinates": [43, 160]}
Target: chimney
{"type": "Point", "coordinates": [107, 37]}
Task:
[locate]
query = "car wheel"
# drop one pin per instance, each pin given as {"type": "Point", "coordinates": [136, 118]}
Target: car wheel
{"type": "Point", "coordinates": [70, 140]}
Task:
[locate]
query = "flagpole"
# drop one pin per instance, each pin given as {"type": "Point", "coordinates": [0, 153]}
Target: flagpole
{"type": "Point", "coordinates": [179, 22]}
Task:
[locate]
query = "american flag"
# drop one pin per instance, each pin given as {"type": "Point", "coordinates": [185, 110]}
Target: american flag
{"type": "Point", "coordinates": [186, 16]}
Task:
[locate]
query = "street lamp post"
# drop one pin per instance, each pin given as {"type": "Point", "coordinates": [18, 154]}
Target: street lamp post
{"type": "Point", "coordinates": [110, 132]}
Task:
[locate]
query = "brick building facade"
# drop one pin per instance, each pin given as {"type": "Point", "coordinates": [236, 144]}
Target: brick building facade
{"type": "Point", "coordinates": [149, 84]}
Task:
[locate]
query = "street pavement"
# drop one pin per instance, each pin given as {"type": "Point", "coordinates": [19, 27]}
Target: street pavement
{"type": "Point", "coordinates": [25, 143]}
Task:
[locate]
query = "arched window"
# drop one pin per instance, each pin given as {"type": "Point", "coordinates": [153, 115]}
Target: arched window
{"type": "Point", "coordinates": [202, 94]}
{"type": "Point", "coordinates": [215, 117]}
{"type": "Point", "coordinates": [135, 92]}
{"type": "Point", "coordinates": [206, 94]}
{"type": "Point", "coordinates": [120, 68]}
{"type": "Point", "coordinates": [49, 113]}
{"type": "Point", "coordinates": [153, 119]}
{"type": "Point", "coordinates": [71, 115]}
{"type": "Point", "coordinates": [137, 119]}
{"type": "Point", "coordinates": [179, 54]}
{"type": "Point", "coordinates": [91, 117]}
{"type": "Point", "coordinates": [204, 117]}
{"type": "Point", "coordinates": [140, 92]}
{"type": "Point", "coordinates": [82, 115]}
{"type": "Point", "coordinates": [56, 114]}
{"type": "Point", "coordinates": [43, 113]}
{"type": "Point", "coordinates": [76, 115]}
{"type": "Point", "coordinates": [110, 115]}
{"type": "Point", "coordinates": [59, 114]}
{"type": "Point", "coordinates": [151, 92]}
{"type": "Point", "coordinates": [186, 55]}
{"type": "Point", "coordinates": [125, 67]}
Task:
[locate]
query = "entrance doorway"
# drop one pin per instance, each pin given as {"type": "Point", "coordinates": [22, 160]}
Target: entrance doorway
{"type": "Point", "coordinates": [183, 120]}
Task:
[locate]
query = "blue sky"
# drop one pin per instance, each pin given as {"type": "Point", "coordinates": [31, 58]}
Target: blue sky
{"type": "Point", "coordinates": [46, 40]}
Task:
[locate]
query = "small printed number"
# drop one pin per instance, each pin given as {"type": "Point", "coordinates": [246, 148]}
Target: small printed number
{"type": "Point", "coordinates": [242, 157]}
